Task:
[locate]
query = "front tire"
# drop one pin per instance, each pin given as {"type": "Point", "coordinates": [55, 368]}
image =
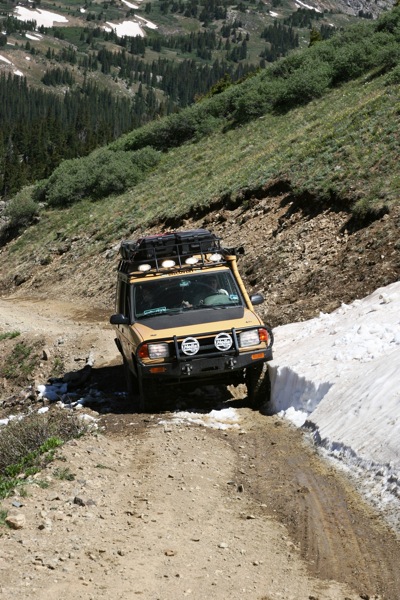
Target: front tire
{"type": "Point", "coordinates": [135, 399]}
{"type": "Point", "coordinates": [258, 384]}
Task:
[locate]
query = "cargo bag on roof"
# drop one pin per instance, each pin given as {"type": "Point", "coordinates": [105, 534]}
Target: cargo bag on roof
{"type": "Point", "coordinates": [170, 245]}
{"type": "Point", "coordinates": [196, 241]}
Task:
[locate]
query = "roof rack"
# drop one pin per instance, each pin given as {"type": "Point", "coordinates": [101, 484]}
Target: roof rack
{"type": "Point", "coordinates": [176, 249]}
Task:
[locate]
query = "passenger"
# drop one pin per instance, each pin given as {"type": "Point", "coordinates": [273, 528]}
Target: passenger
{"type": "Point", "coordinates": [145, 299]}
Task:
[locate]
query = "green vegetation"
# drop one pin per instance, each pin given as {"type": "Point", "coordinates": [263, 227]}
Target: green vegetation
{"type": "Point", "coordinates": [21, 210]}
{"type": "Point", "coordinates": [63, 473]}
{"type": "Point", "coordinates": [101, 174]}
{"type": "Point", "coordinates": [329, 126]}
{"type": "Point", "coordinates": [28, 445]}
{"type": "Point", "coordinates": [21, 362]}
{"type": "Point", "coordinates": [86, 86]}
{"type": "Point", "coordinates": [39, 129]}
{"type": "Point", "coordinates": [58, 367]}
{"type": "Point", "coordinates": [9, 335]}
{"type": "Point", "coordinates": [321, 121]}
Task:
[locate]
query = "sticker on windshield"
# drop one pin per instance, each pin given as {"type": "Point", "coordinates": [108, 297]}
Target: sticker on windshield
{"type": "Point", "coordinates": [155, 311]}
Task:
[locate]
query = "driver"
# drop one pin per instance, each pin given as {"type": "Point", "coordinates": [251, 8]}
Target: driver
{"type": "Point", "coordinates": [208, 286]}
{"type": "Point", "coordinates": [212, 281]}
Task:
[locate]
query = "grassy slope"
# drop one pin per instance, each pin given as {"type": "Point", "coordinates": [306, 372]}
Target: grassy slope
{"type": "Point", "coordinates": [342, 148]}
{"type": "Point", "coordinates": [328, 145]}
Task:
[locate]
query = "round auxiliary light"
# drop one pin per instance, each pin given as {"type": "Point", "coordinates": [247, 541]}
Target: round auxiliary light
{"type": "Point", "coordinates": [144, 268]}
{"type": "Point", "coordinates": [215, 257]}
{"type": "Point", "coordinates": [168, 264]}
{"type": "Point", "coordinates": [192, 260]}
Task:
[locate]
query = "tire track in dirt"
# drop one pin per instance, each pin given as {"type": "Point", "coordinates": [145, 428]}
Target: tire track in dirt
{"type": "Point", "coordinates": [338, 535]}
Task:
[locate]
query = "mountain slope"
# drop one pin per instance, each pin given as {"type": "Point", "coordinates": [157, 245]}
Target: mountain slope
{"type": "Point", "coordinates": [311, 192]}
{"type": "Point", "coordinates": [79, 77]}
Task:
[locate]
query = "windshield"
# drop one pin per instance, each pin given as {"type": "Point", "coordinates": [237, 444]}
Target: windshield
{"type": "Point", "coordinates": [189, 292]}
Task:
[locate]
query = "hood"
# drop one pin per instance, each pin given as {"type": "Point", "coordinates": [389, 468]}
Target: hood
{"type": "Point", "coordinates": [195, 322]}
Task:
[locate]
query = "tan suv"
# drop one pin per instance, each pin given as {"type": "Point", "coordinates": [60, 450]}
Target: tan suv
{"type": "Point", "coordinates": [183, 316]}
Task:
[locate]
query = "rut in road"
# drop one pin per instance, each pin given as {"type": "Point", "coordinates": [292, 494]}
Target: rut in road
{"type": "Point", "coordinates": [339, 536]}
{"type": "Point", "coordinates": [153, 512]}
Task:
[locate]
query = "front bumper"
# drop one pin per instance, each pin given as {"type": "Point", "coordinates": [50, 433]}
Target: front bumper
{"type": "Point", "coordinates": [224, 367]}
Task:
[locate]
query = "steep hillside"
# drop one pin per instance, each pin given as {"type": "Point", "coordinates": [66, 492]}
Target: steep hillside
{"type": "Point", "coordinates": [298, 164]}
{"type": "Point", "coordinates": [304, 262]}
{"type": "Point", "coordinates": [81, 76]}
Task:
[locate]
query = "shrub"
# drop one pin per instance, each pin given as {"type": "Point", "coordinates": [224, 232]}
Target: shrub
{"type": "Point", "coordinates": [259, 98]}
{"type": "Point", "coordinates": [393, 78]}
{"type": "Point", "coordinates": [21, 209]}
{"type": "Point", "coordinates": [20, 364]}
{"type": "Point", "coordinates": [310, 81]}
{"type": "Point", "coordinates": [351, 61]}
{"type": "Point", "coordinates": [28, 445]}
{"type": "Point", "coordinates": [9, 335]}
{"type": "Point", "coordinates": [96, 176]}
{"type": "Point", "coordinates": [390, 21]}
{"type": "Point", "coordinates": [191, 123]}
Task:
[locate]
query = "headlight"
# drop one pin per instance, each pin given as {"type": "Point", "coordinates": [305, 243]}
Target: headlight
{"type": "Point", "coordinates": [158, 350]}
{"type": "Point", "coordinates": [249, 338]}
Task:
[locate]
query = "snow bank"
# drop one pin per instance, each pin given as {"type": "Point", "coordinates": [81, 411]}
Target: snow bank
{"type": "Point", "coordinates": [130, 28]}
{"type": "Point", "coordinates": [42, 17]}
{"type": "Point", "coordinates": [339, 375]}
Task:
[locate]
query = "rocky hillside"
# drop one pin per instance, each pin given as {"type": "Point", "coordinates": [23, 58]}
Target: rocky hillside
{"type": "Point", "coordinates": [304, 261]}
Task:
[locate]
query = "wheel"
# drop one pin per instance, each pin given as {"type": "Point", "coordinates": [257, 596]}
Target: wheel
{"type": "Point", "coordinates": [258, 384]}
{"type": "Point", "coordinates": [133, 389]}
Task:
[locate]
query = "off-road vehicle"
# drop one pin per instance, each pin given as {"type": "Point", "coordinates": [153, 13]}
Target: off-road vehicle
{"type": "Point", "coordinates": [183, 316]}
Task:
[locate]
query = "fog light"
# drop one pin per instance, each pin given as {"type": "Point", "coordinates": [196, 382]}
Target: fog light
{"type": "Point", "coordinates": [215, 258]}
{"type": "Point", "coordinates": [249, 338]}
{"type": "Point", "coordinates": [158, 350]}
{"type": "Point", "coordinates": [144, 268]}
{"type": "Point", "coordinates": [167, 264]}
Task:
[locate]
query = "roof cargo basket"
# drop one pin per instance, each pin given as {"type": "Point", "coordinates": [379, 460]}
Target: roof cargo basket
{"type": "Point", "coordinates": [176, 245]}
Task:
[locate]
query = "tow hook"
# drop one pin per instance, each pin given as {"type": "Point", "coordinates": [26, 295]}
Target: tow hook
{"type": "Point", "coordinates": [186, 369]}
{"type": "Point", "coordinates": [231, 362]}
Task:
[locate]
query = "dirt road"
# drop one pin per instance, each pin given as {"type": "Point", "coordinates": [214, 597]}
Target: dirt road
{"type": "Point", "coordinates": [162, 509]}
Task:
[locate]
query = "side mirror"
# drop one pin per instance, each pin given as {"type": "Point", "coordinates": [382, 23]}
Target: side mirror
{"type": "Point", "coordinates": [257, 299]}
{"type": "Point", "coordinates": [119, 320]}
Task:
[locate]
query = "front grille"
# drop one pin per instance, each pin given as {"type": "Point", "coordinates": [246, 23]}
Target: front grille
{"type": "Point", "coordinates": [207, 347]}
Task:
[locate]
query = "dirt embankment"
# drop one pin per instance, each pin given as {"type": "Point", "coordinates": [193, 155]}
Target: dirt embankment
{"type": "Point", "coordinates": [304, 257]}
{"type": "Point", "coordinates": [157, 509]}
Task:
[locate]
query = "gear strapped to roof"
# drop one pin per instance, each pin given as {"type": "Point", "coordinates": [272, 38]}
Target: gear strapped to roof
{"type": "Point", "coordinates": [173, 249]}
